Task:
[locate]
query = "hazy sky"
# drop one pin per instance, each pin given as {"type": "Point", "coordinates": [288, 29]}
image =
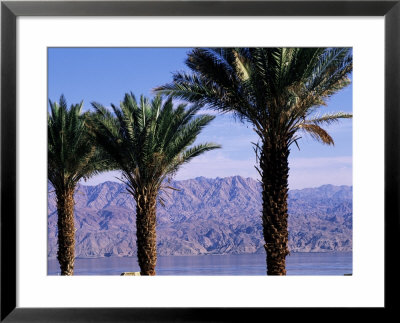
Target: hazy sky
{"type": "Point", "coordinates": [104, 75]}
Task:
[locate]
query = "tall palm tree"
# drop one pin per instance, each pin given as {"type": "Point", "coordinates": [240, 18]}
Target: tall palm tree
{"type": "Point", "coordinates": [278, 91]}
{"type": "Point", "coordinates": [71, 157]}
{"type": "Point", "coordinates": [149, 141]}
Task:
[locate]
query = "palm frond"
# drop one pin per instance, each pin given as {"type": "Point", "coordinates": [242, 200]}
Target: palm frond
{"type": "Point", "coordinates": [72, 154]}
{"type": "Point", "coordinates": [275, 89]}
{"type": "Point", "coordinates": [328, 118]}
{"type": "Point", "coordinates": [317, 133]}
{"type": "Point", "coordinates": [149, 140]}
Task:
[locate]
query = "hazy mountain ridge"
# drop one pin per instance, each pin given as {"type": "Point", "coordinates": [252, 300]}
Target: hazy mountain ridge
{"type": "Point", "coordinates": [205, 216]}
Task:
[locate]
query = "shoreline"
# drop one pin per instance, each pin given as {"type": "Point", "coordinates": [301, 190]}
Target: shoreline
{"type": "Point", "coordinates": [218, 255]}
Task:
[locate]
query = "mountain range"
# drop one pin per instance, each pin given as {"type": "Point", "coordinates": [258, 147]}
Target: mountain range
{"type": "Point", "coordinates": [205, 216]}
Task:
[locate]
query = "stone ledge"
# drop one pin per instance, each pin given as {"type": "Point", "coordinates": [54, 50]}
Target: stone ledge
{"type": "Point", "coordinates": [134, 273]}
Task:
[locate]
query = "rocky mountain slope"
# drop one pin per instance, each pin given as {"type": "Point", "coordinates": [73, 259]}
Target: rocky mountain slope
{"type": "Point", "coordinates": [205, 216]}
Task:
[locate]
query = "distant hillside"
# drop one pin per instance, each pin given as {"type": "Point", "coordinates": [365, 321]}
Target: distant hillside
{"type": "Point", "coordinates": [206, 216]}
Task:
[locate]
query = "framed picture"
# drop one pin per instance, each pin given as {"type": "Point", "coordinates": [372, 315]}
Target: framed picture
{"type": "Point", "coordinates": [29, 29]}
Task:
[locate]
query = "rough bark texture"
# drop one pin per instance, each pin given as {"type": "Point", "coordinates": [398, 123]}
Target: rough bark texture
{"type": "Point", "coordinates": [66, 232]}
{"type": "Point", "coordinates": [146, 233]}
{"type": "Point", "coordinates": [275, 172]}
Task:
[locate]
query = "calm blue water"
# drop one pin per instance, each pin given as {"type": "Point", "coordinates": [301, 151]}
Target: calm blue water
{"type": "Point", "coordinates": [211, 265]}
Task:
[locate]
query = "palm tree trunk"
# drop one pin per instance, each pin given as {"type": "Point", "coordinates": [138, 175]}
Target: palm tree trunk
{"type": "Point", "coordinates": [275, 171]}
{"type": "Point", "coordinates": [146, 233]}
{"type": "Point", "coordinates": [66, 232]}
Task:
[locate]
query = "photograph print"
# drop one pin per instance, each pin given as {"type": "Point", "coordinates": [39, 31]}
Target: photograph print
{"type": "Point", "coordinates": [200, 161]}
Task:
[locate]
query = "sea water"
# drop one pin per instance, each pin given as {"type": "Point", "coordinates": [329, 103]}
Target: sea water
{"type": "Point", "coordinates": [310, 263]}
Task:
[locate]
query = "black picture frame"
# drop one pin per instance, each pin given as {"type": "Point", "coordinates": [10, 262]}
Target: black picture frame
{"type": "Point", "coordinates": [10, 10]}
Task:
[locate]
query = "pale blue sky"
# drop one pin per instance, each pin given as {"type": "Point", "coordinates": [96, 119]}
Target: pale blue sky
{"type": "Point", "coordinates": [104, 75]}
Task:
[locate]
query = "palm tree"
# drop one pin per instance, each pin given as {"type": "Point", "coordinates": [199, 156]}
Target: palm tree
{"type": "Point", "coordinates": [71, 157]}
{"type": "Point", "coordinates": [278, 91]}
{"type": "Point", "coordinates": [149, 140]}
